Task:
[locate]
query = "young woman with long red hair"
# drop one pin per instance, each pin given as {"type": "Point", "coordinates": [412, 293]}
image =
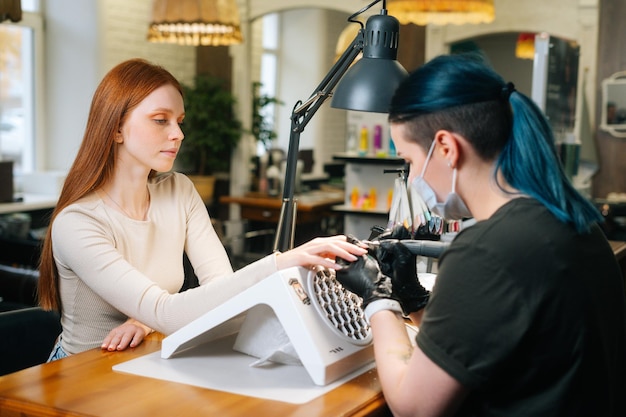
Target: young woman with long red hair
{"type": "Point", "coordinates": [112, 258]}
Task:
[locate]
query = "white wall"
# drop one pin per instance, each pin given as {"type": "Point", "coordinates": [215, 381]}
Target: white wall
{"type": "Point", "coordinates": [72, 69]}
{"type": "Point", "coordinates": [83, 40]}
{"type": "Point", "coordinates": [306, 59]}
{"type": "Point", "coordinates": [302, 60]}
{"type": "Point", "coordinates": [260, 7]}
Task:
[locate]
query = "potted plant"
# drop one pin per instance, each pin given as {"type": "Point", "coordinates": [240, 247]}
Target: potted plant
{"type": "Point", "coordinates": [262, 122]}
{"type": "Point", "coordinates": [212, 130]}
{"type": "Point", "coordinates": [263, 131]}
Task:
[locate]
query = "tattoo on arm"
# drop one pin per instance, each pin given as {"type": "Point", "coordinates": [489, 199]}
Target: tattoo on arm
{"type": "Point", "coordinates": [403, 353]}
{"type": "Point", "coordinates": [407, 354]}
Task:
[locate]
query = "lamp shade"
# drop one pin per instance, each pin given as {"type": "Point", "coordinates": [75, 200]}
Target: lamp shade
{"type": "Point", "coordinates": [442, 12]}
{"type": "Point", "coordinates": [195, 22]}
{"type": "Point", "coordinates": [371, 82]}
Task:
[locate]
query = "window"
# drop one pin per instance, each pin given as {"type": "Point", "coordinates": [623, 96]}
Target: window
{"type": "Point", "coordinates": [19, 61]}
{"type": "Point", "coordinates": [269, 66]}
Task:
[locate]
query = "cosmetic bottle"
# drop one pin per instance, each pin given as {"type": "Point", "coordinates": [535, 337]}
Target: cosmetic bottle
{"type": "Point", "coordinates": [363, 141]}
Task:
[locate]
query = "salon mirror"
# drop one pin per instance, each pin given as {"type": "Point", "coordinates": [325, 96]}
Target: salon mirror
{"type": "Point", "coordinates": [614, 105]}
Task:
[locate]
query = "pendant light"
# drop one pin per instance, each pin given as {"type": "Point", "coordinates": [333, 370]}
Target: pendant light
{"type": "Point", "coordinates": [195, 22]}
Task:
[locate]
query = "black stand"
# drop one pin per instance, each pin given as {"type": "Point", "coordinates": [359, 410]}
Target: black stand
{"type": "Point", "coordinates": [300, 117]}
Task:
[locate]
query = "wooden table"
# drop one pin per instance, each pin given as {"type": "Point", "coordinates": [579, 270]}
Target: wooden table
{"type": "Point", "coordinates": [311, 206]}
{"type": "Point", "coordinates": [314, 215]}
{"type": "Point", "coordinates": [85, 384]}
{"type": "Point", "coordinates": [619, 249]}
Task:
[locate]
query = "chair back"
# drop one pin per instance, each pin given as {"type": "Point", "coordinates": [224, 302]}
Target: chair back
{"type": "Point", "coordinates": [27, 337]}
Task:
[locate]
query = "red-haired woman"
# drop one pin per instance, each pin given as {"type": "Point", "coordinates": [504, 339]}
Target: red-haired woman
{"type": "Point", "coordinates": [112, 259]}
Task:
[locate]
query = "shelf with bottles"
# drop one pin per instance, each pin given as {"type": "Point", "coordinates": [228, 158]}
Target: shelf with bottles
{"type": "Point", "coordinates": [368, 136]}
{"type": "Point", "coordinates": [370, 169]}
{"type": "Point", "coordinates": [369, 183]}
{"type": "Point", "coordinates": [360, 199]}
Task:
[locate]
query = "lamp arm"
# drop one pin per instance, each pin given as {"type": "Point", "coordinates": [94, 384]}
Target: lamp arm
{"type": "Point", "coordinates": [300, 117]}
{"type": "Point", "coordinates": [303, 113]}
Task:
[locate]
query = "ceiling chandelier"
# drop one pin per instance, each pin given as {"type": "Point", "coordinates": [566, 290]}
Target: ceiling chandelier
{"type": "Point", "coordinates": [442, 12]}
{"type": "Point", "coordinates": [195, 22]}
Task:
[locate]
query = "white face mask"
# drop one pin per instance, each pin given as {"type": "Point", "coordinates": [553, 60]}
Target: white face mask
{"type": "Point", "coordinates": [453, 208]}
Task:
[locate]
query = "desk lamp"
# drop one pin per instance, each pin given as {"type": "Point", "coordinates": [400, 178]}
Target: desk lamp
{"type": "Point", "coordinates": [367, 86]}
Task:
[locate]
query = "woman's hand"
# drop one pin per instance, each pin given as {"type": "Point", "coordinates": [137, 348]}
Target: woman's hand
{"type": "Point", "coordinates": [129, 334]}
{"type": "Point", "coordinates": [320, 251]}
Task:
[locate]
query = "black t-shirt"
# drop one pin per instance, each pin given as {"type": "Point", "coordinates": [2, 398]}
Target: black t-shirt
{"type": "Point", "coordinates": [531, 316]}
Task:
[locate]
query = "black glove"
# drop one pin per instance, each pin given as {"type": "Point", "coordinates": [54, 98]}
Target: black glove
{"type": "Point", "coordinates": [398, 262]}
{"type": "Point", "coordinates": [364, 278]}
{"type": "Point", "coordinates": [397, 232]}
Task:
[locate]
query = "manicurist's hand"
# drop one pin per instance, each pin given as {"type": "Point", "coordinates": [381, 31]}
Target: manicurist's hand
{"type": "Point", "coordinates": [397, 262]}
{"type": "Point", "coordinates": [320, 251]}
{"type": "Point", "coordinates": [129, 334]}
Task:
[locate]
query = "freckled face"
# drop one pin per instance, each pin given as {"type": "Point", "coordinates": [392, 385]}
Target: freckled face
{"type": "Point", "coordinates": [151, 136]}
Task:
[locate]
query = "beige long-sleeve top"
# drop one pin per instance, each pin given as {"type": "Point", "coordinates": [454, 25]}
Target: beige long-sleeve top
{"type": "Point", "coordinates": [112, 267]}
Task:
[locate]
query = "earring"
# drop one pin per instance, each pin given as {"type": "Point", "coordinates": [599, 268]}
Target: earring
{"type": "Point", "coordinates": [449, 164]}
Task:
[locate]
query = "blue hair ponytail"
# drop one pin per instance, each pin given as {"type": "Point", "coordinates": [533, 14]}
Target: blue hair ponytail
{"type": "Point", "coordinates": [529, 163]}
